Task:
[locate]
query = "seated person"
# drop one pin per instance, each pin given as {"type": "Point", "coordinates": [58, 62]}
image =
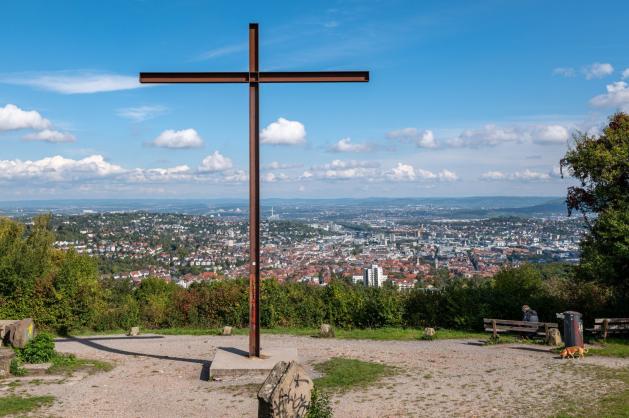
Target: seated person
{"type": "Point", "coordinates": [529, 315]}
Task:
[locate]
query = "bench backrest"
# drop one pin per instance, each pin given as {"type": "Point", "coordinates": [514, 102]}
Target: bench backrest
{"type": "Point", "coordinates": [611, 325]}
{"type": "Point", "coordinates": [505, 325]}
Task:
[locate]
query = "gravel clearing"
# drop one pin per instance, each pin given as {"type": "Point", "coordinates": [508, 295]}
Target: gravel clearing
{"type": "Point", "coordinates": [163, 376]}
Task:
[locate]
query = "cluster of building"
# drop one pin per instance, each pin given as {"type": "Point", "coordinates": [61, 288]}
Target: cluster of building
{"type": "Point", "coordinates": [193, 248]}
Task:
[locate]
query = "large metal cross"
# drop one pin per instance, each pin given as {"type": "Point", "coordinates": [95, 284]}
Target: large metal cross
{"type": "Point", "coordinates": [254, 77]}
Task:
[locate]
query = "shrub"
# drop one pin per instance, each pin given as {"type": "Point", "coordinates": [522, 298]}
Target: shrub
{"type": "Point", "coordinates": [319, 405]}
{"type": "Point", "coordinates": [40, 349]}
{"type": "Point", "coordinates": [16, 368]}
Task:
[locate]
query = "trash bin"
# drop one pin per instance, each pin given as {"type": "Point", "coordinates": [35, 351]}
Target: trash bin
{"type": "Point", "coordinates": [572, 329]}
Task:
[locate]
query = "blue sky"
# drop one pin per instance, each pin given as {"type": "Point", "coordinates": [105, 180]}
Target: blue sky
{"type": "Point", "coordinates": [465, 97]}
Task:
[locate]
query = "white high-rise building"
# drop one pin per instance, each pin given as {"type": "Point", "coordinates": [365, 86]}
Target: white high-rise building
{"type": "Point", "coordinates": [373, 276]}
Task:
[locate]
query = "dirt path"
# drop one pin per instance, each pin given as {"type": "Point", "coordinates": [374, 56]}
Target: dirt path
{"type": "Point", "coordinates": [162, 376]}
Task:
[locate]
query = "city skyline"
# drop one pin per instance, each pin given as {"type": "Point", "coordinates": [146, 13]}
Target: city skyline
{"type": "Point", "coordinates": [75, 122]}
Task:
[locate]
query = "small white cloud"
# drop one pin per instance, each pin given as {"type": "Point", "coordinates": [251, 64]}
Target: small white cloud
{"type": "Point", "coordinates": [74, 82]}
{"type": "Point", "coordinates": [284, 132]}
{"type": "Point", "coordinates": [493, 135]}
{"type": "Point", "coordinates": [222, 51]}
{"type": "Point", "coordinates": [423, 139]}
{"type": "Point", "coordinates": [235, 176]}
{"type": "Point", "coordinates": [525, 176]}
{"type": "Point", "coordinates": [426, 140]}
{"type": "Point", "coordinates": [13, 118]}
{"type": "Point", "coordinates": [564, 71]}
{"type": "Point", "coordinates": [550, 134]}
{"type": "Point", "coordinates": [403, 172]}
{"type": "Point", "coordinates": [215, 162]}
{"type": "Point", "coordinates": [274, 177]}
{"type": "Point", "coordinates": [50, 135]}
{"type": "Point", "coordinates": [493, 175]}
{"type": "Point", "coordinates": [598, 70]}
{"type": "Point", "coordinates": [345, 145]}
{"type": "Point", "coordinates": [617, 96]}
{"type": "Point", "coordinates": [447, 175]}
{"type": "Point", "coordinates": [625, 74]}
{"type": "Point", "coordinates": [58, 168]}
{"type": "Point", "coordinates": [186, 138]}
{"type": "Point", "coordinates": [281, 166]}
{"type": "Point", "coordinates": [160, 175]}
{"type": "Point", "coordinates": [141, 113]}
{"type": "Point", "coordinates": [488, 135]}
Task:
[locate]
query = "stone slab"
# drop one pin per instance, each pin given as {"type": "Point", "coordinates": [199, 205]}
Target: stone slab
{"type": "Point", "coordinates": [235, 362]}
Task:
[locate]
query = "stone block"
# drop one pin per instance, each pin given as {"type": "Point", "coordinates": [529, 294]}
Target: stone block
{"type": "Point", "coordinates": [553, 337]}
{"type": "Point", "coordinates": [286, 392]}
{"type": "Point", "coordinates": [134, 332]}
{"type": "Point", "coordinates": [429, 332]}
{"type": "Point", "coordinates": [6, 355]}
{"type": "Point", "coordinates": [227, 331]}
{"type": "Point", "coordinates": [326, 331]}
{"type": "Point", "coordinates": [19, 333]}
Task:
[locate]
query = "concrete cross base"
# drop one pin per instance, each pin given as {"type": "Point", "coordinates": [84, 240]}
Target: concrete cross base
{"type": "Point", "coordinates": [235, 362]}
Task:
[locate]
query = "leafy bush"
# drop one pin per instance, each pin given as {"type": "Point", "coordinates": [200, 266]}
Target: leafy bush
{"type": "Point", "coordinates": [319, 405]}
{"type": "Point", "coordinates": [16, 368]}
{"type": "Point", "coordinates": [40, 349]}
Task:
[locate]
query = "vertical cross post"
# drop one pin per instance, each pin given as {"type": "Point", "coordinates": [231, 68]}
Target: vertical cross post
{"type": "Point", "coordinates": [254, 194]}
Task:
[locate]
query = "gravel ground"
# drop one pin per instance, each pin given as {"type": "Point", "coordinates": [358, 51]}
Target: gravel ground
{"type": "Point", "coordinates": [163, 376]}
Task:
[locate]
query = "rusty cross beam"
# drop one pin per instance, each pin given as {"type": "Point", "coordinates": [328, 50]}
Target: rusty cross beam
{"type": "Point", "coordinates": [254, 77]}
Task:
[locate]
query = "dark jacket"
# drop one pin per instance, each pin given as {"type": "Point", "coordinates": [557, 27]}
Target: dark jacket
{"type": "Point", "coordinates": [530, 316]}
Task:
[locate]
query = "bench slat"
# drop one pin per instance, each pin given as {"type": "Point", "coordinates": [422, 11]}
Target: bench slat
{"type": "Point", "coordinates": [612, 320]}
{"type": "Point", "coordinates": [508, 322]}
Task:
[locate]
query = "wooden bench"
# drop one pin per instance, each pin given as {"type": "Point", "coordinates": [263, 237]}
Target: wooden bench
{"type": "Point", "coordinates": [497, 326]}
{"type": "Point", "coordinates": [607, 326]}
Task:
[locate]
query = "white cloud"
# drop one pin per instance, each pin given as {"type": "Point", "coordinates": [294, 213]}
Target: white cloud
{"type": "Point", "coordinates": [12, 118]}
{"type": "Point", "coordinates": [529, 175]}
{"type": "Point", "coordinates": [219, 52]}
{"type": "Point", "coordinates": [141, 113]}
{"type": "Point", "coordinates": [625, 74]}
{"type": "Point", "coordinates": [493, 175]}
{"type": "Point", "coordinates": [345, 145]}
{"type": "Point", "coordinates": [598, 70]}
{"type": "Point", "coordinates": [402, 172]}
{"type": "Point", "coordinates": [617, 96]}
{"type": "Point", "coordinates": [274, 177]}
{"type": "Point", "coordinates": [74, 82]}
{"type": "Point", "coordinates": [525, 176]}
{"type": "Point", "coordinates": [564, 71]}
{"type": "Point", "coordinates": [50, 135]}
{"type": "Point", "coordinates": [488, 135]}
{"type": "Point", "coordinates": [180, 172]}
{"type": "Point", "coordinates": [549, 134]}
{"type": "Point", "coordinates": [493, 135]}
{"type": "Point", "coordinates": [235, 176]}
{"type": "Point", "coordinates": [343, 170]}
{"type": "Point", "coordinates": [447, 175]}
{"type": "Point", "coordinates": [284, 132]}
{"type": "Point", "coordinates": [424, 139]}
{"type": "Point", "coordinates": [343, 164]}
{"type": "Point", "coordinates": [406, 172]}
{"type": "Point", "coordinates": [186, 138]}
{"type": "Point", "coordinates": [281, 166]}
{"type": "Point", "coordinates": [215, 162]}
{"type": "Point", "coordinates": [58, 168]}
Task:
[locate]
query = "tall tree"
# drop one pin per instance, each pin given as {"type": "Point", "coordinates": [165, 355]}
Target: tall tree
{"type": "Point", "coordinates": [601, 164]}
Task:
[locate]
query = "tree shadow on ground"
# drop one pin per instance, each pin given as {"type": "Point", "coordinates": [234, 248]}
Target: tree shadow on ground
{"type": "Point", "coordinates": [91, 342]}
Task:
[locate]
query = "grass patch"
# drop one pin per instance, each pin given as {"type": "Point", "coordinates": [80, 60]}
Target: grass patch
{"type": "Point", "coordinates": [401, 334]}
{"type": "Point", "coordinates": [612, 348]}
{"type": "Point", "coordinates": [68, 364]}
{"type": "Point", "coordinates": [611, 405]}
{"type": "Point", "coordinates": [13, 404]}
{"type": "Point", "coordinates": [342, 374]}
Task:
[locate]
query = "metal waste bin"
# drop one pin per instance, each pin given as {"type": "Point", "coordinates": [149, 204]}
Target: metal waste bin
{"type": "Point", "coordinates": [572, 329]}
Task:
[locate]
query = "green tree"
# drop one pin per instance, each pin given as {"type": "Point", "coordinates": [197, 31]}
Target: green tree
{"type": "Point", "coordinates": [601, 164]}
